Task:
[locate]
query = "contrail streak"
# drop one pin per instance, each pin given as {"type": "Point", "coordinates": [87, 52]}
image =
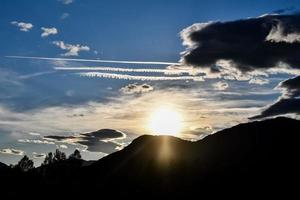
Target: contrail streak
{"type": "Point", "coordinates": [139, 78]}
{"type": "Point", "coordinates": [95, 60]}
{"type": "Point", "coordinates": [118, 69]}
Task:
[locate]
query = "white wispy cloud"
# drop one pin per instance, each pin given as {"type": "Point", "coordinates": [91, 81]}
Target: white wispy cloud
{"type": "Point", "coordinates": [22, 25]}
{"type": "Point", "coordinates": [72, 49]}
{"type": "Point", "coordinates": [139, 78]}
{"type": "Point", "coordinates": [48, 31]}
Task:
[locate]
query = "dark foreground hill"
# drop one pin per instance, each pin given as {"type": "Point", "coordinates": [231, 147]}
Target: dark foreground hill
{"type": "Point", "coordinates": [250, 158]}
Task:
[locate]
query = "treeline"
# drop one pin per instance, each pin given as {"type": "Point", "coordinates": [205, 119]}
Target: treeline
{"type": "Point", "coordinates": [26, 164]}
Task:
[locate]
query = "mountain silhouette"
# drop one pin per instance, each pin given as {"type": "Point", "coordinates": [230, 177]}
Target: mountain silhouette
{"type": "Point", "coordinates": [253, 158]}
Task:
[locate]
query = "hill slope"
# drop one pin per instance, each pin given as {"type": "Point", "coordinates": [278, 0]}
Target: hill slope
{"type": "Point", "coordinates": [247, 157]}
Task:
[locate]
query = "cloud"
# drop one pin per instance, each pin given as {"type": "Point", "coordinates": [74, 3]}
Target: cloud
{"type": "Point", "coordinates": [258, 81]}
{"type": "Point", "coordinates": [48, 31]}
{"type": "Point", "coordinates": [62, 146]}
{"type": "Point", "coordinates": [290, 88]}
{"type": "Point", "coordinates": [72, 50]}
{"type": "Point", "coordinates": [249, 44]}
{"type": "Point", "coordinates": [103, 140]}
{"type": "Point", "coordinates": [221, 85]}
{"type": "Point", "coordinates": [281, 107]}
{"type": "Point", "coordinates": [249, 49]}
{"type": "Point", "coordinates": [34, 134]}
{"type": "Point", "coordinates": [288, 103]}
{"type": "Point", "coordinates": [38, 155]}
{"type": "Point", "coordinates": [12, 151]}
{"type": "Point", "coordinates": [135, 88]}
{"type": "Point", "coordinates": [277, 34]}
{"type": "Point", "coordinates": [23, 26]}
{"type": "Point", "coordinates": [66, 2]}
{"type": "Point", "coordinates": [64, 16]}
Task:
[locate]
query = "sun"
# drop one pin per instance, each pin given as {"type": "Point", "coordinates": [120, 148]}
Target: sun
{"type": "Point", "coordinates": [165, 121]}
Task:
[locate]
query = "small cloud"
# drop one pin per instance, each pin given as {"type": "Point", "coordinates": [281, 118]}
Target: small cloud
{"type": "Point", "coordinates": [70, 93]}
{"type": "Point", "coordinates": [136, 88]}
{"type": "Point", "coordinates": [62, 146]}
{"type": "Point", "coordinates": [221, 85]}
{"type": "Point", "coordinates": [12, 151]}
{"type": "Point", "coordinates": [72, 50]}
{"type": "Point", "coordinates": [66, 2]}
{"type": "Point", "coordinates": [34, 134]}
{"type": "Point", "coordinates": [22, 25]}
{"type": "Point", "coordinates": [48, 31]}
{"type": "Point", "coordinates": [38, 155]}
{"type": "Point", "coordinates": [64, 16]}
{"type": "Point", "coordinates": [258, 81]}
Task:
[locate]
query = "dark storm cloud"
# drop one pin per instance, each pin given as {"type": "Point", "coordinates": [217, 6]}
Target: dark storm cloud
{"type": "Point", "coordinates": [281, 107]}
{"type": "Point", "coordinates": [255, 43]}
{"type": "Point", "coordinates": [246, 45]}
{"type": "Point", "coordinates": [290, 87]}
{"type": "Point", "coordinates": [288, 103]}
{"type": "Point", "coordinates": [97, 141]}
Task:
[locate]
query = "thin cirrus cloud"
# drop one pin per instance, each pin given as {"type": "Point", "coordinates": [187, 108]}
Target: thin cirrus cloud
{"type": "Point", "coordinates": [48, 31]}
{"type": "Point", "coordinates": [23, 26]}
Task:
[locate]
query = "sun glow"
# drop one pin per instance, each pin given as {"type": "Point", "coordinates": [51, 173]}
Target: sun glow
{"type": "Point", "coordinates": [165, 121]}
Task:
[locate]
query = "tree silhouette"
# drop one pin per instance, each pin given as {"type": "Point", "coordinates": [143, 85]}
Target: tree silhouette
{"type": "Point", "coordinates": [25, 164]}
{"type": "Point", "coordinates": [59, 156]}
{"type": "Point", "coordinates": [49, 159]}
{"type": "Point", "coordinates": [75, 155]}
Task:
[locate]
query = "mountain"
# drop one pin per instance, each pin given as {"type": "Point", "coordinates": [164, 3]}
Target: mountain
{"type": "Point", "coordinates": [254, 157]}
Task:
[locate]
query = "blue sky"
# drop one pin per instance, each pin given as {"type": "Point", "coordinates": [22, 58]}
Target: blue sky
{"type": "Point", "coordinates": [37, 98]}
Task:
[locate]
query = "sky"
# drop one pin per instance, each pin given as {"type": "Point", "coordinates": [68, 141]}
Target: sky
{"type": "Point", "coordinates": [60, 75]}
